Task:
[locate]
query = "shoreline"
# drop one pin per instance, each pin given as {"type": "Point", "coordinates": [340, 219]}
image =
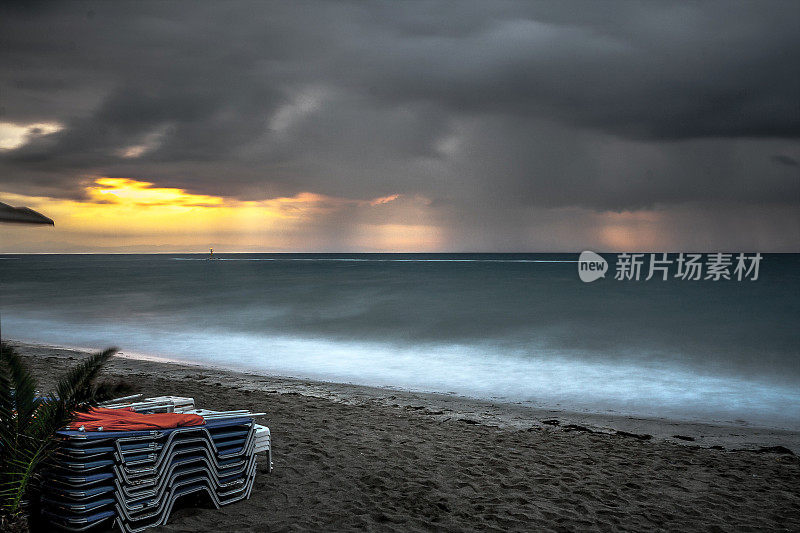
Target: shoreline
{"type": "Point", "coordinates": [353, 458]}
{"type": "Point", "coordinates": [445, 407]}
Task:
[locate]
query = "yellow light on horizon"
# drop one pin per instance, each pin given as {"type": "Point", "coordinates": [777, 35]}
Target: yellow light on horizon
{"type": "Point", "coordinates": [127, 211]}
{"type": "Point", "coordinates": [142, 193]}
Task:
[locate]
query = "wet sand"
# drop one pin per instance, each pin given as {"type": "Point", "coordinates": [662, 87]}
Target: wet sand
{"type": "Point", "coordinates": [360, 458]}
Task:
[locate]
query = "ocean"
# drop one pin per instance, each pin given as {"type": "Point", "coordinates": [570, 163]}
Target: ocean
{"type": "Point", "coordinates": [506, 327]}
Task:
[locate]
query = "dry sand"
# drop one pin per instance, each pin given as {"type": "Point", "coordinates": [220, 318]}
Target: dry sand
{"type": "Point", "coordinates": [358, 458]}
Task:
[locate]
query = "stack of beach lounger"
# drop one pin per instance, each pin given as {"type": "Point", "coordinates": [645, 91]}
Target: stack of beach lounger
{"type": "Point", "coordinates": [132, 479]}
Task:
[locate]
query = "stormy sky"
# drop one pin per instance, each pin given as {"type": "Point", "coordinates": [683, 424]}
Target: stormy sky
{"type": "Point", "coordinates": [430, 126]}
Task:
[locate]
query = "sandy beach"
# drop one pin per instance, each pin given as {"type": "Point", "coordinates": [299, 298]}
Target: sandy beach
{"type": "Point", "coordinates": [360, 458]}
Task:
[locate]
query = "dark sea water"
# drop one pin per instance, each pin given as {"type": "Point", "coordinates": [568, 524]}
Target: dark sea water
{"type": "Point", "coordinates": [513, 327]}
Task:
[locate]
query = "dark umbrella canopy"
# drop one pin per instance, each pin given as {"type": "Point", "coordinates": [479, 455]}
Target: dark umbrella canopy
{"type": "Point", "coordinates": [22, 215]}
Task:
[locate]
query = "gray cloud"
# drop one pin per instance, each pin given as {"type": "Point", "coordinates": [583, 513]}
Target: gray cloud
{"type": "Point", "coordinates": [491, 110]}
{"type": "Point", "coordinates": [786, 160]}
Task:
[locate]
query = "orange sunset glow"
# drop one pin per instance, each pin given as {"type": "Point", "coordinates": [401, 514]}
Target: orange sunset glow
{"type": "Point", "coordinates": [120, 212]}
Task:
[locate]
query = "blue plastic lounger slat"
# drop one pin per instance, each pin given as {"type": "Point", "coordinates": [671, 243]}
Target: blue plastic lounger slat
{"type": "Point", "coordinates": [77, 509]}
{"type": "Point", "coordinates": [141, 446]}
{"type": "Point", "coordinates": [78, 480]}
{"type": "Point", "coordinates": [75, 466]}
{"type": "Point", "coordinates": [80, 523]}
{"type": "Point", "coordinates": [84, 451]}
{"type": "Point", "coordinates": [72, 442]}
{"type": "Point", "coordinates": [80, 494]}
{"type": "Point", "coordinates": [226, 434]}
{"type": "Point", "coordinates": [69, 458]}
{"type": "Point", "coordinates": [75, 436]}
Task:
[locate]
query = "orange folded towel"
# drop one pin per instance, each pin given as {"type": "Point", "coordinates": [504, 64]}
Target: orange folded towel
{"type": "Point", "coordinates": [103, 419]}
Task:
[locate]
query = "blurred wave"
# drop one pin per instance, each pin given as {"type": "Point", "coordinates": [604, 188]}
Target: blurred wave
{"type": "Point", "coordinates": [514, 327]}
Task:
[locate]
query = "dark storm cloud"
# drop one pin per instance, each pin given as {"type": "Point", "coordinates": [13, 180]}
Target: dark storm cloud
{"type": "Point", "coordinates": [652, 72]}
{"type": "Point", "coordinates": [486, 108]}
{"type": "Point", "coordinates": [786, 160]}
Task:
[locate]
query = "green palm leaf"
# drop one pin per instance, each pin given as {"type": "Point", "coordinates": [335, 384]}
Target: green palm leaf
{"type": "Point", "coordinates": [28, 424]}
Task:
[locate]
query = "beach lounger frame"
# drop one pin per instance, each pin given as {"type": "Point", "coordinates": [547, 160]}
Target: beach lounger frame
{"type": "Point", "coordinates": [134, 478]}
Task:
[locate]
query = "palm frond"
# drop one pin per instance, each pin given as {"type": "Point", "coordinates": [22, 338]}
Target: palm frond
{"type": "Point", "coordinates": [24, 395]}
{"type": "Point", "coordinates": [28, 425]}
{"type": "Point", "coordinates": [6, 389]}
{"type": "Point", "coordinates": [74, 388]}
{"type": "Point", "coordinates": [7, 406]}
{"type": "Point", "coordinates": [73, 392]}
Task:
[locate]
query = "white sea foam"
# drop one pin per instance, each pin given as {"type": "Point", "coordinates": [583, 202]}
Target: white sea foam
{"type": "Point", "coordinates": [549, 379]}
